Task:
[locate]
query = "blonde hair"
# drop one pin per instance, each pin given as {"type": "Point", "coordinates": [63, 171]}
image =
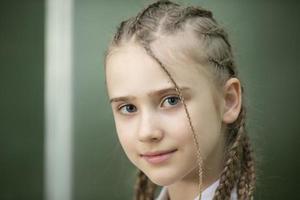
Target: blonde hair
{"type": "Point", "coordinates": [165, 18]}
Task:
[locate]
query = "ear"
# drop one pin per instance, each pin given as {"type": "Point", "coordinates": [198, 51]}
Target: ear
{"type": "Point", "coordinates": [232, 100]}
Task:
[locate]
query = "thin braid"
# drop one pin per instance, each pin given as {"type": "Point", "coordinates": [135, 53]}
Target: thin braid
{"type": "Point", "coordinates": [230, 172]}
{"type": "Point", "coordinates": [144, 187]}
{"type": "Point", "coordinates": [197, 11]}
{"type": "Point", "coordinates": [191, 12]}
{"type": "Point", "coordinates": [150, 9]}
{"type": "Point", "coordinates": [249, 157]}
{"type": "Point", "coordinates": [217, 32]}
{"type": "Point", "coordinates": [210, 31]}
{"type": "Point", "coordinates": [239, 168]}
{"type": "Point", "coordinates": [241, 156]}
{"type": "Point", "coordinates": [246, 184]}
{"type": "Point", "coordinates": [242, 183]}
{"type": "Point", "coordinates": [232, 167]}
{"type": "Point", "coordinates": [195, 136]}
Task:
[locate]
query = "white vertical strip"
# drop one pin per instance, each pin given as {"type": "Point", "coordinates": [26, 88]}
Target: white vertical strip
{"type": "Point", "coordinates": [58, 100]}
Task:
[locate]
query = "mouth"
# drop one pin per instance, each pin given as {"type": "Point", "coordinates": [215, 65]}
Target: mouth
{"type": "Point", "coordinates": [158, 157]}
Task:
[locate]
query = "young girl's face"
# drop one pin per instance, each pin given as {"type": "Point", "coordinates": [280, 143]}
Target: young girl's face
{"type": "Point", "coordinates": [151, 119]}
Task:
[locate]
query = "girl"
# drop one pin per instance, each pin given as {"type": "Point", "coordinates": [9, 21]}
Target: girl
{"type": "Point", "coordinates": [178, 105]}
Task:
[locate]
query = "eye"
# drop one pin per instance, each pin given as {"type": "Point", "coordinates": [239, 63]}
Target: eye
{"type": "Point", "coordinates": [172, 100]}
{"type": "Point", "coordinates": [128, 108]}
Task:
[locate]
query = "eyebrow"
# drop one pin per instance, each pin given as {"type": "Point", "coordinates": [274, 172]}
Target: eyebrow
{"type": "Point", "coordinates": [152, 93]}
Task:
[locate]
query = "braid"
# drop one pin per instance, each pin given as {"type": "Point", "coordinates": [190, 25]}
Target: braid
{"type": "Point", "coordinates": [191, 12]}
{"type": "Point", "coordinates": [239, 168]}
{"type": "Point", "coordinates": [144, 188]}
{"type": "Point", "coordinates": [246, 182]}
{"type": "Point", "coordinates": [230, 173]}
{"type": "Point", "coordinates": [195, 136]}
{"type": "Point", "coordinates": [165, 17]}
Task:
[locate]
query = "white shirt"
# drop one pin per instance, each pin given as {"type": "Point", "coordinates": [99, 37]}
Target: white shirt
{"type": "Point", "coordinates": [207, 194]}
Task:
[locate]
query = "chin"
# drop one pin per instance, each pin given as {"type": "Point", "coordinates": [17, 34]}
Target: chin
{"type": "Point", "coordinates": [162, 180]}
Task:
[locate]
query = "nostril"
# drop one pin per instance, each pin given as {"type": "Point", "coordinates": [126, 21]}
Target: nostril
{"type": "Point", "coordinates": [151, 136]}
{"type": "Point", "coordinates": [155, 139]}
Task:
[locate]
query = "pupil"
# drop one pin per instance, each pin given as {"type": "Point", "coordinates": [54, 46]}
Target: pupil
{"type": "Point", "coordinates": [172, 100]}
{"type": "Point", "coordinates": [130, 108]}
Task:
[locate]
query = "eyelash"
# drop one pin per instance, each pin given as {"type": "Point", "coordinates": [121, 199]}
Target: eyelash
{"type": "Point", "coordinates": [166, 98]}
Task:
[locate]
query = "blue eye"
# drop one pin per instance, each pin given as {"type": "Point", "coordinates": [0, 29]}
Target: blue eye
{"type": "Point", "coordinates": [172, 100]}
{"type": "Point", "coordinates": [129, 108]}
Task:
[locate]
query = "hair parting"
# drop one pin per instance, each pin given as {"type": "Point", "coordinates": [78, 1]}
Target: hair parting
{"type": "Point", "coordinates": [167, 18]}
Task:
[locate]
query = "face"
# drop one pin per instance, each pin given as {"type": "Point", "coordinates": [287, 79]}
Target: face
{"type": "Point", "coordinates": [150, 119]}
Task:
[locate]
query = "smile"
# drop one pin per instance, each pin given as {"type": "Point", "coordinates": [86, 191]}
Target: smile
{"type": "Point", "coordinates": [158, 157]}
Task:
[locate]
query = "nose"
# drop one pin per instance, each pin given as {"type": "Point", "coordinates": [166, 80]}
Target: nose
{"type": "Point", "coordinates": [149, 128]}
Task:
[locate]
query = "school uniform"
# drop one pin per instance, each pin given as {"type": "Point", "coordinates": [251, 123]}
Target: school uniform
{"type": "Point", "coordinates": [207, 194]}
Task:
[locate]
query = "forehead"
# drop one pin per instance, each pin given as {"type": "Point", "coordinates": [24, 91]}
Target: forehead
{"type": "Point", "coordinates": [131, 71]}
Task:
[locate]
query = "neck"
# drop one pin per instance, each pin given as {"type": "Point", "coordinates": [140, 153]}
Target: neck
{"type": "Point", "coordinates": [188, 187]}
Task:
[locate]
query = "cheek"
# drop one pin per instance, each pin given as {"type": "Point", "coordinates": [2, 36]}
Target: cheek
{"type": "Point", "coordinates": [125, 136]}
{"type": "Point", "coordinates": [207, 126]}
{"type": "Point", "coordinates": [176, 126]}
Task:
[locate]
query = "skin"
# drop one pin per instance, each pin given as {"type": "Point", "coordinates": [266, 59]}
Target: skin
{"type": "Point", "coordinates": [157, 121]}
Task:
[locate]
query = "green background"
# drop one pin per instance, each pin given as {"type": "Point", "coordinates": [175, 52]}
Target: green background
{"type": "Point", "coordinates": [21, 99]}
{"type": "Point", "coordinates": [265, 36]}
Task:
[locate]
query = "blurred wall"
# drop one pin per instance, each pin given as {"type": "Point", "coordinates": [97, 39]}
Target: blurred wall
{"type": "Point", "coordinates": [265, 36]}
{"type": "Point", "coordinates": [21, 99]}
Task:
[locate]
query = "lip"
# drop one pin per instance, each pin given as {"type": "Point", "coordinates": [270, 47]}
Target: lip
{"type": "Point", "coordinates": [158, 156]}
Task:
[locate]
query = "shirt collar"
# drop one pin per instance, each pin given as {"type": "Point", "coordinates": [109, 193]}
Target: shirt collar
{"type": "Point", "coordinates": [206, 194]}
